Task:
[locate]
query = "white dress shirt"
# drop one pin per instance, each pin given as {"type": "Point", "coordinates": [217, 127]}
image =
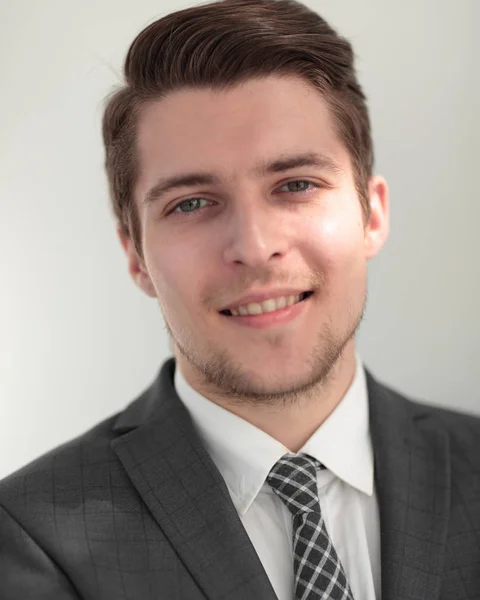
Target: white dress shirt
{"type": "Point", "coordinates": [244, 455]}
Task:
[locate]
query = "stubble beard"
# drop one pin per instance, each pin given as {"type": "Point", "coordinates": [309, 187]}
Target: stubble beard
{"type": "Point", "coordinates": [220, 373]}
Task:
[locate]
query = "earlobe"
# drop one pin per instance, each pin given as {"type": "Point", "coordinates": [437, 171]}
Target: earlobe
{"type": "Point", "coordinates": [378, 226]}
{"type": "Point", "coordinates": [141, 277]}
{"type": "Point", "coordinates": [136, 266]}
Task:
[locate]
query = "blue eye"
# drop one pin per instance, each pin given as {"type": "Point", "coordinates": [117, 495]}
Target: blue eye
{"type": "Point", "coordinates": [302, 188]}
{"type": "Point", "coordinates": [190, 203]}
{"type": "Point", "coordinates": [193, 205]}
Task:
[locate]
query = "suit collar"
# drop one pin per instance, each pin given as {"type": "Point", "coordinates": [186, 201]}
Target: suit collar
{"type": "Point", "coordinates": [412, 476]}
{"type": "Point", "coordinates": [245, 454]}
{"type": "Point", "coordinates": [170, 468]}
{"type": "Point", "coordinates": [176, 478]}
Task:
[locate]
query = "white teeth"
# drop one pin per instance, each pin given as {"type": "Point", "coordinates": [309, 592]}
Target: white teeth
{"type": "Point", "coordinates": [270, 305]}
{"type": "Point", "coordinates": [291, 300]}
{"type": "Point", "coordinates": [254, 308]}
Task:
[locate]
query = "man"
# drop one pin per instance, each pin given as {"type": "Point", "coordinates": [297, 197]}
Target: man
{"type": "Point", "coordinates": [263, 461]}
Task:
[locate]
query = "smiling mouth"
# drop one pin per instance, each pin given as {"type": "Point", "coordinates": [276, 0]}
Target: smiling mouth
{"type": "Point", "coordinates": [255, 308]}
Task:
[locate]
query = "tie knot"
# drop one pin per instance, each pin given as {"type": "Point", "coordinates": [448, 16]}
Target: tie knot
{"type": "Point", "coordinates": [294, 479]}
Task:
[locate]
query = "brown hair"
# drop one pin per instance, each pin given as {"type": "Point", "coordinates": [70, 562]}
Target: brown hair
{"type": "Point", "coordinates": [217, 45]}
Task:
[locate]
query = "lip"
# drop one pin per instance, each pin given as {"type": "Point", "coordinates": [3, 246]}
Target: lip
{"type": "Point", "coordinates": [277, 317]}
{"type": "Point", "coordinates": [264, 295]}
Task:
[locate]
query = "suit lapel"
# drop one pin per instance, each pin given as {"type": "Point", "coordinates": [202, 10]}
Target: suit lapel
{"type": "Point", "coordinates": [412, 476]}
{"type": "Point", "coordinates": [176, 478]}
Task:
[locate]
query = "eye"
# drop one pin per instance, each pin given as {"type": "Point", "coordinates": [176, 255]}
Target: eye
{"type": "Point", "coordinates": [190, 204]}
{"type": "Point", "coordinates": [299, 185]}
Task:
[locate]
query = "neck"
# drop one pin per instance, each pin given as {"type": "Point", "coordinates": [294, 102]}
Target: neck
{"type": "Point", "coordinates": [292, 424]}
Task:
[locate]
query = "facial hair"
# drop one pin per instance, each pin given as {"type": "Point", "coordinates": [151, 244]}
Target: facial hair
{"type": "Point", "coordinates": [220, 371]}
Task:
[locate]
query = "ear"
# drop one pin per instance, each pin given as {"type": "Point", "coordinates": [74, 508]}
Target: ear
{"type": "Point", "coordinates": [378, 225]}
{"type": "Point", "coordinates": [136, 266]}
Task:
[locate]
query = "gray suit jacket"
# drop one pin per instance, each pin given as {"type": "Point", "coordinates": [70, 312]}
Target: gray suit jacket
{"type": "Point", "coordinates": [136, 509]}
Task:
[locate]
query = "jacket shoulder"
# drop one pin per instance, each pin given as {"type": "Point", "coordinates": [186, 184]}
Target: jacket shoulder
{"type": "Point", "coordinates": [63, 472]}
{"type": "Point", "coordinates": [462, 428]}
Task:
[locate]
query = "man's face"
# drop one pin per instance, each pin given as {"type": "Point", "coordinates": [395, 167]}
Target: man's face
{"type": "Point", "coordinates": [272, 233]}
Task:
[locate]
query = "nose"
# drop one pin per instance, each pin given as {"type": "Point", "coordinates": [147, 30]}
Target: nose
{"type": "Point", "coordinates": [256, 233]}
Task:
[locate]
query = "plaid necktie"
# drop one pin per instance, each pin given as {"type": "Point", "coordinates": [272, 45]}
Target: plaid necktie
{"type": "Point", "coordinates": [319, 573]}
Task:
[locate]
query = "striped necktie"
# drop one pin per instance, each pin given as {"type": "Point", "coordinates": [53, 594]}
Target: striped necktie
{"type": "Point", "coordinates": [319, 574]}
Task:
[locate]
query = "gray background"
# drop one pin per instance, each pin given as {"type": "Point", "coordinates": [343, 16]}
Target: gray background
{"type": "Point", "coordinates": [78, 340]}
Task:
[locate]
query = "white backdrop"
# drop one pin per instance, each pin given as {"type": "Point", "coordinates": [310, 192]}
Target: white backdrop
{"type": "Point", "coordinates": [78, 340]}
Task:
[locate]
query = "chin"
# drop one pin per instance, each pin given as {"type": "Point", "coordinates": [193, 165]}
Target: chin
{"type": "Point", "coordinates": [277, 373]}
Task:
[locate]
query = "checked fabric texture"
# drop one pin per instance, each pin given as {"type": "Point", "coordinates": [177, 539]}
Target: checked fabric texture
{"type": "Point", "coordinates": [318, 571]}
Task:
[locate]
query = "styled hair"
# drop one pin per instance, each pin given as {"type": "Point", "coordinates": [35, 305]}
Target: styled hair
{"type": "Point", "coordinates": [218, 45]}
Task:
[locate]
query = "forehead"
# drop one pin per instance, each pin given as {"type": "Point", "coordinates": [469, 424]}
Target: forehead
{"type": "Point", "coordinates": [229, 130]}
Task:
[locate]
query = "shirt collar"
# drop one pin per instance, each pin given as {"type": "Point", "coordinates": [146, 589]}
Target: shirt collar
{"type": "Point", "coordinates": [244, 454]}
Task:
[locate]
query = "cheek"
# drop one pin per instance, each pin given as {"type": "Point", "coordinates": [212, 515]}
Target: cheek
{"type": "Point", "coordinates": [180, 260]}
{"type": "Point", "coordinates": [337, 240]}
{"type": "Point", "coordinates": [172, 273]}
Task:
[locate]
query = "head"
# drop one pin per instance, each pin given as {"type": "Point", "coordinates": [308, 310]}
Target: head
{"type": "Point", "coordinates": [240, 161]}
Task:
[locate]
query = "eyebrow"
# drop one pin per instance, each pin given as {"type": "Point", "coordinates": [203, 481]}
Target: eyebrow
{"type": "Point", "coordinates": [284, 163]}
